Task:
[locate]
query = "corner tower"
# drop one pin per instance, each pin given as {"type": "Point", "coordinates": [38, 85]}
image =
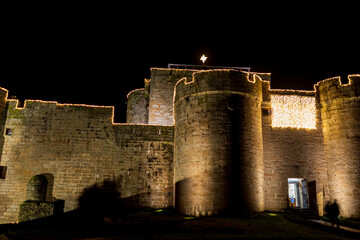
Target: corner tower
{"type": "Point", "coordinates": [218, 143]}
{"type": "Point", "coordinates": [3, 97]}
{"type": "Point", "coordinates": [340, 115]}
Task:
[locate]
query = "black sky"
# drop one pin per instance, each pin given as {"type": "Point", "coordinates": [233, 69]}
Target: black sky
{"type": "Point", "coordinates": [96, 54]}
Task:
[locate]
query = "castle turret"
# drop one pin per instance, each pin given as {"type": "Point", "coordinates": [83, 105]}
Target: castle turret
{"type": "Point", "coordinates": [161, 93]}
{"type": "Point", "coordinates": [218, 144]}
{"type": "Point", "coordinates": [3, 97]}
{"type": "Point", "coordinates": [340, 115]}
{"type": "Point", "coordinates": [138, 105]}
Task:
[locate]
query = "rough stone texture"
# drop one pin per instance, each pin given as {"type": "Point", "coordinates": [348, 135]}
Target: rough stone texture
{"type": "Point", "coordinates": [77, 146]}
{"type": "Point", "coordinates": [162, 92]}
{"type": "Point", "coordinates": [218, 144]}
{"type": "Point", "coordinates": [30, 210]}
{"type": "Point", "coordinates": [340, 114]}
{"type": "Point", "coordinates": [227, 155]}
{"type": "Point", "coordinates": [36, 188]}
{"type": "Point", "coordinates": [291, 153]}
{"type": "Point", "coordinates": [138, 105]}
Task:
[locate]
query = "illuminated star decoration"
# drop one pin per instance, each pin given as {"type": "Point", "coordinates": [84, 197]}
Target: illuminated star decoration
{"type": "Point", "coordinates": [203, 58]}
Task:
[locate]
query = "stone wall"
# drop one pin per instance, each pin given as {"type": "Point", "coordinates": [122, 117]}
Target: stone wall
{"type": "Point", "coordinates": [218, 144]}
{"type": "Point", "coordinates": [162, 85]}
{"type": "Point", "coordinates": [78, 146]}
{"type": "Point", "coordinates": [291, 153]}
{"type": "Point", "coordinates": [340, 114]}
{"type": "Point", "coordinates": [222, 154]}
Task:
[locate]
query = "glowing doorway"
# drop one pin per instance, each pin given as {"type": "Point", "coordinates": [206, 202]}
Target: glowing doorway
{"type": "Point", "coordinates": [298, 193]}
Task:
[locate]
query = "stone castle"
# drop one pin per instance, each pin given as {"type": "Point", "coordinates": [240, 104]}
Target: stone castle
{"type": "Point", "coordinates": [201, 141]}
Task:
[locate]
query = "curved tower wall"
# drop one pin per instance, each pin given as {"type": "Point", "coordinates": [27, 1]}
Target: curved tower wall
{"type": "Point", "coordinates": [3, 97]}
{"type": "Point", "coordinates": [218, 144]}
{"type": "Point", "coordinates": [137, 106]}
{"type": "Point", "coordinates": [340, 114]}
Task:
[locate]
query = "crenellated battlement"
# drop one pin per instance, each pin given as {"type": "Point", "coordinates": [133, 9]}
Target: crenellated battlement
{"type": "Point", "coordinates": [3, 93]}
{"type": "Point", "coordinates": [224, 80]}
{"type": "Point", "coordinates": [354, 79]}
{"type": "Point", "coordinates": [333, 88]}
{"type": "Point", "coordinates": [339, 106]}
{"type": "Point", "coordinates": [3, 96]}
{"type": "Point", "coordinates": [216, 113]}
{"type": "Point", "coordinates": [39, 107]}
{"type": "Point", "coordinates": [202, 141]}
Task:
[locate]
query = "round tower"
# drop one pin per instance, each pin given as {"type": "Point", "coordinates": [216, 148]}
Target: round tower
{"type": "Point", "coordinates": [218, 144]}
{"type": "Point", "coordinates": [340, 116]}
{"type": "Point", "coordinates": [3, 97]}
{"type": "Point", "coordinates": [137, 106]}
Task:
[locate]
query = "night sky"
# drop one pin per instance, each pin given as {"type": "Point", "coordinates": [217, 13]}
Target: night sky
{"type": "Point", "coordinates": [96, 54]}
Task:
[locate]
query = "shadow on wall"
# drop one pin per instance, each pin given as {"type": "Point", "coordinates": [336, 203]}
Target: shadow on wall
{"type": "Point", "coordinates": [203, 195]}
{"type": "Point", "coordinates": [50, 187]}
{"type": "Point", "coordinates": [103, 201]}
{"type": "Point", "coordinates": [98, 204]}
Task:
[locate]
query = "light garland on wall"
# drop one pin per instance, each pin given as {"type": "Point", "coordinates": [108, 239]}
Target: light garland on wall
{"type": "Point", "coordinates": [293, 111]}
{"type": "Point", "coordinates": [135, 90]}
{"type": "Point", "coordinates": [15, 105]}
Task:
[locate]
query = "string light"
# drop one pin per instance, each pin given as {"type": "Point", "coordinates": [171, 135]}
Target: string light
{"type": "Point", "coordinates": [135, 90]}
{"type": "Point", "coordinates": [293, 111]}
{"type": "Point", "coordinates": [62, 105]}
{"type": "Point", "coordinates": [338, 78]}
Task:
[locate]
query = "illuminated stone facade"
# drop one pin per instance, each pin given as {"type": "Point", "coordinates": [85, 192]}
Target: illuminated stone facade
{"type": "Point", "coordinates": [339, 106]}
{"type": "Point", "coordinates": [218, 144]}
{"type": "Point", "coordinates": [203, 142]}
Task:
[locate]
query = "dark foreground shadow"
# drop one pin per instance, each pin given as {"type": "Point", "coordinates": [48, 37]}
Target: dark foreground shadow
{"type": "Point", "coordinates": [99, 201]}
{"type": "Point", "coordinates": [98, 204]}
{"type": "Point", "coordinates": [103, 202]}
{"type": "Point", "coordinates": [169, 225]}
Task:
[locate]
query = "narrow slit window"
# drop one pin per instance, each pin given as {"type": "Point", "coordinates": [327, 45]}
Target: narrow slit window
{"type": "Point", "coordinates": [3, 172]}
{"type": "Point", "coordinates": [9, 132]}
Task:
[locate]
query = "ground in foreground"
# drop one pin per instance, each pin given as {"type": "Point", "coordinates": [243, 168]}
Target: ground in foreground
{"type": "Point", "coordinates": [168, 225]}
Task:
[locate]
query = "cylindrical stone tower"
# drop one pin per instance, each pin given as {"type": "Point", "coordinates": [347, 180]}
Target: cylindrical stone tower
{"type": "Point", "coordinates": [340, 115]}
{"type": "Point", "coordinates": [218, 144]}
{"type": "Point", "coordinates": [137, 107]}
